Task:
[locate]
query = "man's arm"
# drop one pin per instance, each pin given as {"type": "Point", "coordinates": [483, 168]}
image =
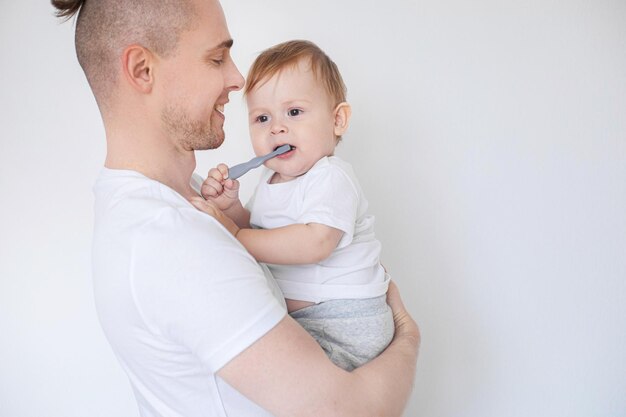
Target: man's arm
{"type": "Point", "coordinates": [287, 373]}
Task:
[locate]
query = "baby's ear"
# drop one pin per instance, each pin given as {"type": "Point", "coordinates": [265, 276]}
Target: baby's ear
{"type": "Point", "coordinates": [342, 113]}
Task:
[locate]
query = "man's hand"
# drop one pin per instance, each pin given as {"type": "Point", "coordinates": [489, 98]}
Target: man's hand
{"type": "Point", "coordinates": [211, 209]}
{"type": "Point", "coordinates": [220, 190]}
{"type": "Point", "coordinates": [405, 325]}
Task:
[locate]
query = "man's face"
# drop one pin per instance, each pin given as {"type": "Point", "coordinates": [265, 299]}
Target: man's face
{"type": "Point", "coordinates": [196, 80]}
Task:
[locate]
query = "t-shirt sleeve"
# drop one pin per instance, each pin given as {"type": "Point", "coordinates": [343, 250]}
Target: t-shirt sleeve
{"type": "Point", "coordinates": [330, 198]}
{"type": "Point", "coordinates": [195, 285]}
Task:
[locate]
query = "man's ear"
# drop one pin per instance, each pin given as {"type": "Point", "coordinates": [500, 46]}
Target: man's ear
{"type": "Point", "coordinates": [137, 66]}
{"type": "Point", "coordinates": [342, 113]}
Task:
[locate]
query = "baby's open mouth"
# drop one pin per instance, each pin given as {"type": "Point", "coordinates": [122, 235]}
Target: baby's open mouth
{"type": "Point", "coordinates": [290, 146]}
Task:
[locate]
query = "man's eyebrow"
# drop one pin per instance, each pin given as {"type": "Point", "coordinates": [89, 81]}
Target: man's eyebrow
{"type": "Point", "coordinates": [226, 44]}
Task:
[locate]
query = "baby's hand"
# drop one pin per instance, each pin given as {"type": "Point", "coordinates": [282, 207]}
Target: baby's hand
{"type": "Point", "coordinates": [219, 189]}
{"type": "Point", "coordinates": [211, 209]}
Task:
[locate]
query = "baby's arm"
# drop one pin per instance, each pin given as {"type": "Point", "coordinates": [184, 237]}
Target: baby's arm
{"type": "Point", "coordinates": [288, 245]}
{"type": "Point", "coordinates": [224, 193]}
{"type": "Point", "coordinates": [293, 244]}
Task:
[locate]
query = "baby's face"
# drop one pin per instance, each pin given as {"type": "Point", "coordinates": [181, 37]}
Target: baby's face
{"type": "Point", "coordinates": [292, 108]}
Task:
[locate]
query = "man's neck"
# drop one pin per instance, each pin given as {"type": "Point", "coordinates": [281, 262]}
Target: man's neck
{"type": "Point", "coordinates": [169, 166]}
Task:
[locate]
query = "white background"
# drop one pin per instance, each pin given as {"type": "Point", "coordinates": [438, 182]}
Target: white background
{"type": "Point", "coordinates": [489, 136]}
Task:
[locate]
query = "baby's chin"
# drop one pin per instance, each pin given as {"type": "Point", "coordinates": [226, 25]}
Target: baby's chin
{"type": "Point", "coordinates": [287, 175]}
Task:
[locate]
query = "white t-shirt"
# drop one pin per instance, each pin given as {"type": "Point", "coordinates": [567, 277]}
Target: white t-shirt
{"type": "Point", "coordinates": [330, 194]}
{"type": "Point", "coordinates": [177, 296]}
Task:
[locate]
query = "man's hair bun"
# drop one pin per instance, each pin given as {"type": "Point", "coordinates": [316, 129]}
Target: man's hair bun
{"type": "Point", "coordinates": [67, 8]}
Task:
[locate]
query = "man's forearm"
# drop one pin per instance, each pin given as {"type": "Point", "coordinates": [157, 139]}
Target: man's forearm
{"type": "Point", "coordinates": [389, 378]}
{"type": "Point", "coordinates": [383, 386]}
{"type": "Point", "coordinates": [287, 373]}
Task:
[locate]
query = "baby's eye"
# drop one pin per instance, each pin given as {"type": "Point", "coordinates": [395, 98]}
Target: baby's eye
{"type": "Point", "coordinates": [262, 118]}
{"type": "Point", "coordinates": [295, 112]}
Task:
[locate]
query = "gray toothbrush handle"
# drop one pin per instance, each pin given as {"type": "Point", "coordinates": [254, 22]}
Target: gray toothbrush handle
{"type": "Point", "coordinates": [240, 169]}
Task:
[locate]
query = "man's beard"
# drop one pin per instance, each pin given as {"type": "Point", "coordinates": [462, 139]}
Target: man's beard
{"type": "Point", "coordinates": [191, 135]}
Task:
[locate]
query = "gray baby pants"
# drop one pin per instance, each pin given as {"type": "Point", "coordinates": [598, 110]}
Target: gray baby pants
{"type": "Point", "coordinates": [351, 332]}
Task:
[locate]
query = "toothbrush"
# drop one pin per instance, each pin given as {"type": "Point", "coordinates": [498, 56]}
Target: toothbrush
{"type": "Point", "coordinates": [238, 170]}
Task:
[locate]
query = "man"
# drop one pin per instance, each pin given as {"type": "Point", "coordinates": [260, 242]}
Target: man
{"type": "Point", "coordinates": [192, 318]}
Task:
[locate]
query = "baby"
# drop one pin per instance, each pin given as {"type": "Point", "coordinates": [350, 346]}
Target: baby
{"type": "Point", "coordinates": [308, 217]}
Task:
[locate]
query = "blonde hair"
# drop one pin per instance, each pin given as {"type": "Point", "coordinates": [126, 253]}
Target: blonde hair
{"type": "Point", "coordinates": [274, 59]}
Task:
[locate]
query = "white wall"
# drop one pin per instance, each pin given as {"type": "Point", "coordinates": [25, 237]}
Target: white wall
{"type": "Point", "coordinates": [490, 138]}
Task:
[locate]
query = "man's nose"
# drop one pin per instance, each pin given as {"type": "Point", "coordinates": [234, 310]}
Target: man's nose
{"type": "Point", "coordinates": [234, 80]}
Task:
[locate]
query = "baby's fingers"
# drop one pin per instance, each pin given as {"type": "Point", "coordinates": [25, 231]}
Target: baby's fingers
{"type": "Point", "coordinates": [231, 187]}
{"type": "Point", "coordinates": [219, 173]}
{"type": "Point", "coordinates": [211, 188]}
{"type": "Point", "coordinates": [223, 169]}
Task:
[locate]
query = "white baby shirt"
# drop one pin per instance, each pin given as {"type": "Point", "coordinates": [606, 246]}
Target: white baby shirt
{"type": "Point", "coordinates": [330, 194]}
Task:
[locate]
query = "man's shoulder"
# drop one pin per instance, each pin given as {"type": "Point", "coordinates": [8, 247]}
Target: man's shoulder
{"type": "Point", "coordinates": [129, 203]}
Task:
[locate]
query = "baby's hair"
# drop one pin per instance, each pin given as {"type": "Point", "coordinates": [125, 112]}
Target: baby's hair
{"type": "Point", "coordinates": [276, 58]}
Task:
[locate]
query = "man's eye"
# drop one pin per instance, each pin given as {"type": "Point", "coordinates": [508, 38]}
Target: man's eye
{"type": "Point", "coordinates": [216, 60]}
{"type": "Point", "coordinates": [263, 118]}
{"type": "Point", "coordinates": [295, 112]}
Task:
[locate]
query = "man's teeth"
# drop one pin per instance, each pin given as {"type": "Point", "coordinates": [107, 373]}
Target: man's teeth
{"type": "Point", "coordinates": [219, 108]}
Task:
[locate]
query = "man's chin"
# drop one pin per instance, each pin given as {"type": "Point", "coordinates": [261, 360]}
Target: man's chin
{"type": "Point", "coordinates": [212, 142]}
